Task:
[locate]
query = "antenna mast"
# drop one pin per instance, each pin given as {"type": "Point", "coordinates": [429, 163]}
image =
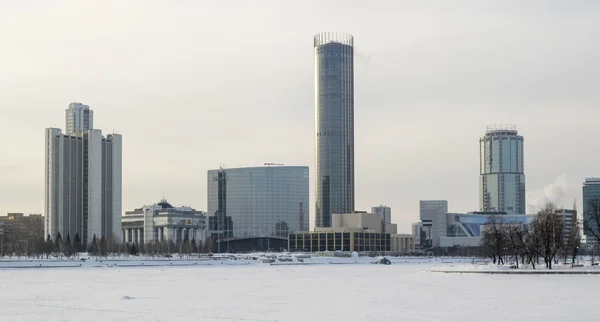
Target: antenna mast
{"type": "Point", "coordinates": [268, 164]}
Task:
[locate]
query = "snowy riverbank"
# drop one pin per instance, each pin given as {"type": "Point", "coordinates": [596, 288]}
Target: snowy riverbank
{"type": "Point", "coordinates": [275, 259]}
{"type": "Point", "coordinates": [489, 268]}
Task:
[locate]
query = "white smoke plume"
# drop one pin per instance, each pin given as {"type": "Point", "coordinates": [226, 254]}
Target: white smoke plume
{"type": "Point", "coordinates": [556, 192]}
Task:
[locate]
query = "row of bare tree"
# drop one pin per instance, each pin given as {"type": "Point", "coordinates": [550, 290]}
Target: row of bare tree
{"type": "Point", "coordinates": [34, 246]}
{"type": "Point", "coordinates": [544, 238]}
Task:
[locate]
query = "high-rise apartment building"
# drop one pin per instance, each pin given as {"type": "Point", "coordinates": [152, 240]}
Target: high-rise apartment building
{"type": "Point", "coordinates": [384, 211]}
{"type": "Point", "coordinates": [269, 201]}
{"type": "Point", "coordinates": [83, 183]}
{"type": "Point", "coordinates": [501, 179]}
{"type": "Point", "coordinates": [569, 217]}
{"type": "Point", "coordinates": [79, 118]}
{"type": "Point", "coordinates": [591, 190]}
{"type": "Point", "coordinates": [334, 137]}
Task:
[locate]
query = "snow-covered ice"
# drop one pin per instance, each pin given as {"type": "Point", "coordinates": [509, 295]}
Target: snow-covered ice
{"type": "Point", "coordinates": [403, 291]}
{"type": "Point", "coordinates": [485, 266]}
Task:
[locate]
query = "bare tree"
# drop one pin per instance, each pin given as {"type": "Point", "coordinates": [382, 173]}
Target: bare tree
{"type": "Point", "coordinates": [494, 239]}
{"type": "Point", "coordinates": [516, 245]}
{"type": "Point", "coordinates": [153, 249]}
{"type": "Point", "coordinates": [573, 241]}
{"type": "Point", "coordinates": [207, 245]}
{"type": "Point", "coordinates": [103, 247]}
{"type": "Point", "coordinates": [3, 243]}
{"type": "Point", "coordinates": [28, 245]}
{"type": "Point", "coordinates": [591, 221]}
{"type": "Point", "coordinates": [194, 248]}
{"type": "Point", "coordinates": [171, 247]}
{"type": "Point", "coordinates": [48, 246]}
{"type": "Point", "coordinates": [181, 248]}
{"type": "Point", "coordinates": [124, 249]}
{"type": "Point", "coordinates": [501, 240]}
{"type": "Point", "coordinates": [524, 243]}
{"type": "Point", "coordinates": [548, 230]}
{"type": "Point", "coordinates": [17, 248]}
{"type": "Point", "coordinates": [113, 246]}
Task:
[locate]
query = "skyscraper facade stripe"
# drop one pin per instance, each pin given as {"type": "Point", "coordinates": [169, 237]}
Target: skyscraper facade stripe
{"type": "Point", "coordinates": [334, 116]}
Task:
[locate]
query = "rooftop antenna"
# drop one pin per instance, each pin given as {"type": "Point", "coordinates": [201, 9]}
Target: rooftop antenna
{"type": "Point", "coordinates": [268, 164]}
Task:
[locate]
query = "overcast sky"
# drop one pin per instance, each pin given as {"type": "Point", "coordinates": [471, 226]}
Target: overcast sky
{"type": "Point", "coordinates": [194, 85]}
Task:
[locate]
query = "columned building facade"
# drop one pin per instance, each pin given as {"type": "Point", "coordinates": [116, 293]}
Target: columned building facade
{"type": "Point", "coordinates": [162, 222]}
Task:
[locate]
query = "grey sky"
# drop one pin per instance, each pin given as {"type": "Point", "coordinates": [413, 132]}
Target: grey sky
{"type": "Point", "coordinates": [194, 85]}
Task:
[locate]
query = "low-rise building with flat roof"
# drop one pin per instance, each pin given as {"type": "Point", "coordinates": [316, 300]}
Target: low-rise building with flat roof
{"type": "Point", "coordinates": [357, 231]}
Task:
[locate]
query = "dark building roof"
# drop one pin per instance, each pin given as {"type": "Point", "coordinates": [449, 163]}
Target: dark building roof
{"type": "Point", "coordinates": [164, 204]}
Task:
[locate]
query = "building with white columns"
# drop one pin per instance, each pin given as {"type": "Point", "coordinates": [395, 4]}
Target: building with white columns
{"type": "Point", "coordinates": [162, 222]}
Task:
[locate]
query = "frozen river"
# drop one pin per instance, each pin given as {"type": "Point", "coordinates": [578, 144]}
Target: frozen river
{"type": "Point", "coordinates": [399, 292]}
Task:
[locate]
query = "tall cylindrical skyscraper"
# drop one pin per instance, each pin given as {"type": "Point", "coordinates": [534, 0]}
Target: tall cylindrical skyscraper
{"type": "Point", "coordinates": [334, 117]}
{"type": "Point", "coordinates": [501, 179]}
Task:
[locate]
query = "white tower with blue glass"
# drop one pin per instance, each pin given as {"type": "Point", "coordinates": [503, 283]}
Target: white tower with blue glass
{"type": "Point", "coordinates": [502, 179]}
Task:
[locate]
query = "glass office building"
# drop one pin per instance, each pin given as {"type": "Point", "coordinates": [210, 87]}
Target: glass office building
{"type": "Point", "coordinates": [591, 190]}
{"type": "Point", "coordinates": [270, 201]}
{"type": "Point", "coordinates": [472, 225]}
{"type": "Point", "coordinates": [334, 137]}
{"type": "Point", "coordinates": [501, 180]}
